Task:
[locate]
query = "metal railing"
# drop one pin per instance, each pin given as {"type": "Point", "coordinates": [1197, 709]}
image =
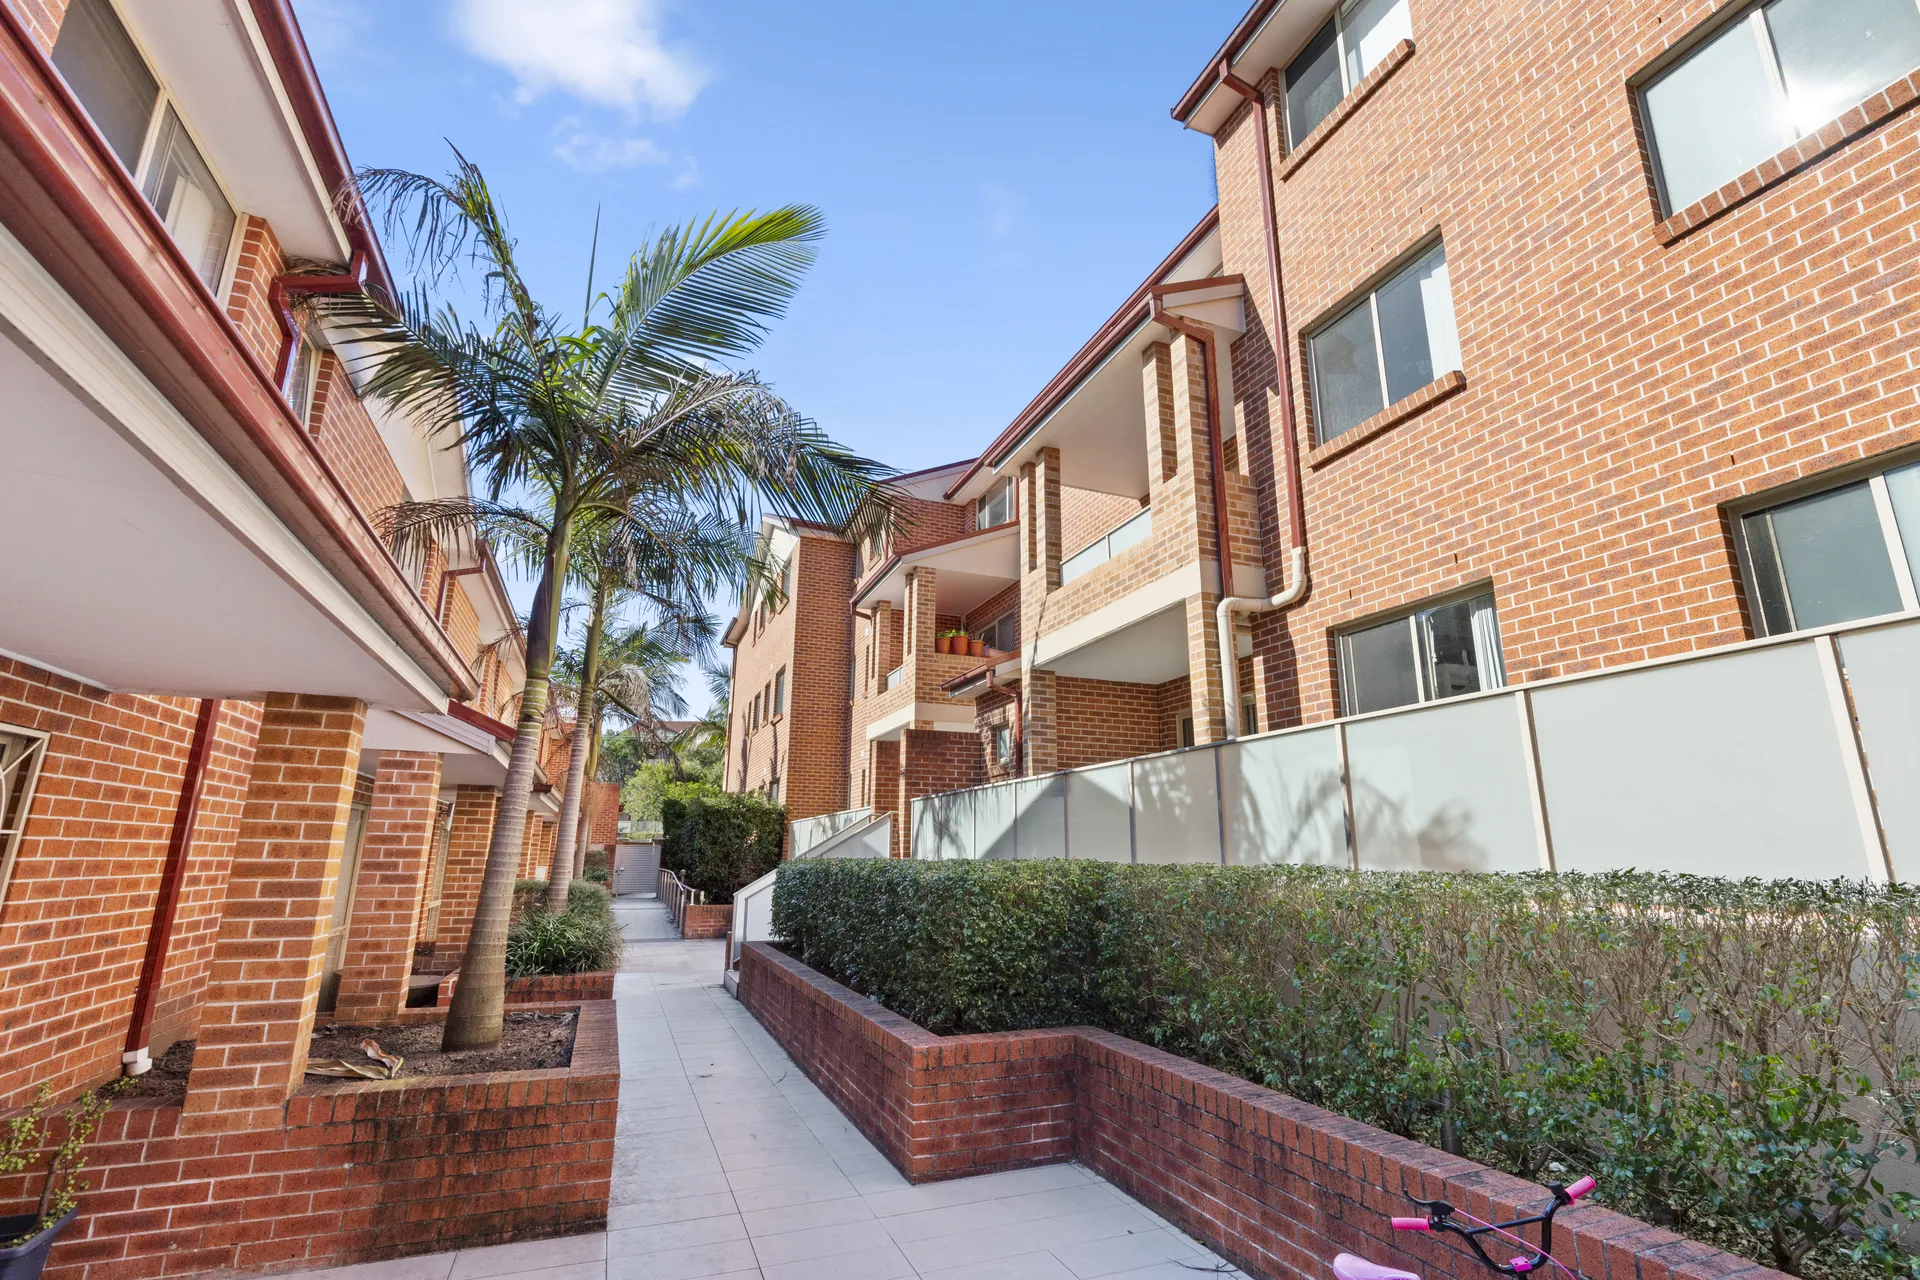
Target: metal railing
{"type": "Point", "coordinates": [1795, 756]}
{"type": "Point", "coordinates": [1130, 532]}
{"type": "Point", "coordinates": [678, 897]}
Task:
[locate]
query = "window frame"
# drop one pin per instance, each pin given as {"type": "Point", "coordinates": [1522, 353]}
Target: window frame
{"type": "Point", "coordinates": [30, 760]}
{"type": "Point", "coordinates": [1011, 616]}
{"type": "Point", "coordinates": [1000, 743]}
{"type": "Point", "coordinates": [1004, 487]}
{"type": "Point", "coordinates": [1893, 542]}
{"type": "Point", "coordinates": [1422, 674]}
{"type": "Point", "coordinates": [1338, 21]}
{"type": "Point", "coordinates": [779, 693]}
{"type": "Point", "coordinates": [164, 101]}
{"type": "Point", "coordinates": [1368, 295]}
{"type": "Point", "coordinates": [1749, 13]}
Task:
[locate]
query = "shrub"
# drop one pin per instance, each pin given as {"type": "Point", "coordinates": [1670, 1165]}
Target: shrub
{"type": "Point", "coordinates": [600, 875]}
{"type": "Point", "coordinates": [1734, 1060]}
{"type": "Point", "coordinates": [581, 939]}
{"type": "Point", "coordinates": [721, 843]}
{"type": "Point", "coordinates": [528, 895]}
{"type": "Point", "coordinates": [644, 795]}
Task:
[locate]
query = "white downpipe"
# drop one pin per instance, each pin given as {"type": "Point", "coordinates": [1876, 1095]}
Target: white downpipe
{"type": "Point", "coordinates": [1223, 615]}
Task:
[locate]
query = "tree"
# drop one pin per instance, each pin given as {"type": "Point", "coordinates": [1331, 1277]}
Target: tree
{"type": "Point", "coordinates": [604, 421]}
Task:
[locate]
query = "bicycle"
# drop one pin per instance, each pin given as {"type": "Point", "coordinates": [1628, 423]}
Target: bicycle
{"type": "Point", "coordinates": [1441, 1216]}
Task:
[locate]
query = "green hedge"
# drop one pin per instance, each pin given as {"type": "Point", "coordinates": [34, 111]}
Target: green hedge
{"type": "Point", "coordinates": [720, 843]}
{"type": "Point", "coordinates": [1734, 1060]}
{"type": "Point", "coordinates": [581, 939]}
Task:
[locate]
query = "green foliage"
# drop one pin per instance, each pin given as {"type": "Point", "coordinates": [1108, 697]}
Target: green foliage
{"type": "Point", "coordinates": [528, 896]}
{"type": "Point", "coordinates": [1733, 1060]}
{"type": "Point", "coordinates": [30, 1131]}
{"type": "Point", "coordinates": [644, 793]}
{"type": "Point", "coordinates": [581, 939]}
{"type": "Point", "coordinates": [718, 843]}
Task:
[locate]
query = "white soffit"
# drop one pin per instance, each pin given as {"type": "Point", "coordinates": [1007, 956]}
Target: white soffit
{"type": "Point", "coordinates": [1151, 651]}
{"type": "Point", "coordinates": [969, 572]}
{"type": "Point", "coordinates": [1284, 33]}
{"type": "Point", "coordinates": [144, 563]}
{"type": "Point", "coordinates": [214, 62]}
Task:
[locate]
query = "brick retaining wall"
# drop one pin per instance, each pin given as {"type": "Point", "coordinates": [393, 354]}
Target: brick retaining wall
{"type": "Point", "coordinates": [706, 920]}
{"type": "Point", "coordinates": [357, 1172]}
{"type": "Point", "coordinates": [1276, 1185]}
{"type": "Point", "coordinates": [546, 988]}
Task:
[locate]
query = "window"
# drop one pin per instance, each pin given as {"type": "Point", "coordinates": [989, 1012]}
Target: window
{"type": "Point", "coordinates": [303, 371]}
{"type": "Point", "coordinates": [1186, 731]}
{"type": "Point", "coordinates": [1773, 76]}
{"type": "Point", "coordinates": [1354, 41]}
{"type": "Point", "coordinates": [1439, 652]}
{"type": "Point", "coordinates": [995, 506]}
{"type": "Point", "coordinates": [1385, 347]}
{"type": "Point", "coordinates": [786, 581]}
{"type": "Point", "coordinates": [755, 722]}
{"type": "Point", "coordinates": [1002, 743]}
{"type": "Point", "coordinates": [780, 692]}
{"type": "Point", "coordinates": [1851, 552]}
{"type": "Point", "coordinates": [20, 756]}
{"type": "Point", "coordinates": [1003, 633]}
{"type": "Point", "coordinates": [113, 82]}
{"type": "Point", "coordinates": [773, 792]}
{"type": "Point", "coordinates": [1249, 720]}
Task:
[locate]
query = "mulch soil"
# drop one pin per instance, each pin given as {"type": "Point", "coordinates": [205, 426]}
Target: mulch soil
{"type": "Point", "coordinates": [529, 1041]}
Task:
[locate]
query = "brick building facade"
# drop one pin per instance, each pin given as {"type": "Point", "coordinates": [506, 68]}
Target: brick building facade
{"type": "Point", "coordinates": [248, 758]}
{"type": "Point", "coordinates": [1622, 384]}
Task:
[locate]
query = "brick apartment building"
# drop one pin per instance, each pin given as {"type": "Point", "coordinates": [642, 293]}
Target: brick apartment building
{"type": "Point", "coordinates": [249, 761]}
{"type": "Point", "coordinates": [1595, 344]}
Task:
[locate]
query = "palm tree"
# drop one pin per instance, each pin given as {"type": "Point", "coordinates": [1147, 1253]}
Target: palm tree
{"type": "Point", "coordinates": [671, 563]}
{"type": "Point", "coordinates": [601, 422]}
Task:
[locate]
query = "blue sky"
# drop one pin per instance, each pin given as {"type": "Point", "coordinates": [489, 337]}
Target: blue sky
{"type": "Point", "coordinates": [995, 176]}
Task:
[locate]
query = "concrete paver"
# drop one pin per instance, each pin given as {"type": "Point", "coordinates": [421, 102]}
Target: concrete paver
{"type": "Point", "coordinates": [730, 1164]}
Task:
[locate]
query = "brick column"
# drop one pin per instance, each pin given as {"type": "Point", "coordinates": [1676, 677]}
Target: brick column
{"type": "Point", "coordinates": [1185, 503]}
{"type": "Point", "coordinates": [530, 847]}
{"type": "Point", "coordinates": [265, 979]}
{"type": "Point", "coordinates": [1039, 735]}
{"type": "Point", "coordinates": [1156, 388]}
{"type": "Point", "coordinates": [916, 636]}
{"type": "Point", "coordinates": [473, 809]}
{"type": "Point", "coordinates": [1206, 685]}
{"type": "Point", "coordinates": [884, 659]}
{"type": "Point", "coordinates": [386, 903]}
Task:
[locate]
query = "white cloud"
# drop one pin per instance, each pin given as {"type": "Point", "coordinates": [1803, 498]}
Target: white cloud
{"type": "Point", "coordinates": [607, 52]}
{"type": "Point", "coordinates": [689, 175]}
{"type": "Point", "coordinates": [1006, 208]}
{"type": "Point", "coordinates": [595, 153]}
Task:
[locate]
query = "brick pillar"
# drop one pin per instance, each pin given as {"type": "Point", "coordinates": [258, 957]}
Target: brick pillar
{"type": "Point", "coordinates": [1039, 736]}
{"type": "Point", "coordinates": [472, 832]}
{"type": "Point", "coordinates": [1156, 389]}
{"type": "Point", "coordinates": [530, 847]}
{"type": "Point", "coordinates": [393, 873]}
{"type": "Point", "coordinates": [267, 960]}
{"type": "Point", "coordinates": [1207, 686]}
{"type": "Point", "coordinates": [916, 634]}
{"type": "Point", "coordinates": [884, 659]}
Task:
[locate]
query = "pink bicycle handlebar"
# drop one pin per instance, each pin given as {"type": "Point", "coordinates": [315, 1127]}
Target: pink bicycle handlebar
{"type": "Point", "coordinates": [1412, 1224]}
{"type": "Point", "coordinates": [1580, 1188]}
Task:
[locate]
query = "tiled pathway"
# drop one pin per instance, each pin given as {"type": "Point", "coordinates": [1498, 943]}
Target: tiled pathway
{"type": "Point", "coordinates": [730, 1163]}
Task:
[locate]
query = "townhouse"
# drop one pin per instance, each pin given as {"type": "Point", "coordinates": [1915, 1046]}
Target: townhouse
{"type": "Point", "coordinates": [249, 758]}
{"type": "Point", "coordinates": [1524, 345]}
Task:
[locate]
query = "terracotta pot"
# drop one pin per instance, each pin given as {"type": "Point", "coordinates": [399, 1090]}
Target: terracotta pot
{"type": "Point", "coordinates": [943, 644]}
{"type": "Point", "coordinates": [976, 647]}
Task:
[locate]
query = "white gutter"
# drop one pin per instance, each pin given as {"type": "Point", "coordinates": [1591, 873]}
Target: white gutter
{"type": "Point", "coordinates": [1223, 615]}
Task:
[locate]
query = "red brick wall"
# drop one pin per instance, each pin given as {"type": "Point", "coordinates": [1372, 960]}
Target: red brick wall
{"type": "Point", "coordinates": [706, 920]}
{"type": "Point", "coordinates": [513, 1156]}
{"type": "Point", "coordinates": [1275, 1185]}
{"type": "Point", "coordinates": [472, 830]}
{"type": "Point", "coordinates": [74, 922]}
{"type": "Point", "coordinates": [42, 19]}
{"type": "Point", "coordinates": [1086, 515]}
{"type": "Point", "coordinates": [938, 1107]}
{"type": "Point", "coordinates": [603, 813]}
{"type": "Point", "coordinates": [1101, 720]}
{"type": "Point", "coordinates": [260, 263]}
{"type": "Point", "coordinates": [1621, 385]}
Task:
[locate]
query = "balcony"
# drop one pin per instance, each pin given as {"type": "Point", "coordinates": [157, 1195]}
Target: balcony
{"type": "Point", "coordinates": [1129, 533]}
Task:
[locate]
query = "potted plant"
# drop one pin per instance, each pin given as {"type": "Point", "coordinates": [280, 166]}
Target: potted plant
{"type": "Point", "coordinates": [976, 647]}
{"type": "Point", "coordinates": [25, 1238]}
{"type": "Point", "coordinates": [950, 641]}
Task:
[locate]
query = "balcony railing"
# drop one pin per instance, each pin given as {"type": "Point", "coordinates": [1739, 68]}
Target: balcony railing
{"type": "Point", "coordinates": [1135, 530]}
{"type": "Point", "coordinates": [1759, 759]}
{"type": "Point", "coordinates": [894, 677]}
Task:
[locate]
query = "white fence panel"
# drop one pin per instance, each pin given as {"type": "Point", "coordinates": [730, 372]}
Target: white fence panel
{"type": "Point", "coordinates": [871, 839]}
{"type": "Point", "coordinates": [1443, 788]}
{"type": "Point", "coordinates": [1728, 766]}
{"type": "Point", "coordinates": [1100, 813]}
{"type": "Point", "coordinates": [1176, 808]}
{"type": "Point", "coordinates": [1883, 669]}
{"type": "Point", "coordinates": [943, 826]}
{"type": "Point", "coordinates": [1283, 800]}
{"type": "Point", "coordinates": [804, 833]}
{"type": "Point", "coordinates": [995, 834]}
{"type": "Point", "coordinates": [1040, 816]}
{"type": "Point", "coordinates": [753, 915]}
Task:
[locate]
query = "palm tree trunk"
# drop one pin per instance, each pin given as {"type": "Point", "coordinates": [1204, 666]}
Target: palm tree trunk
{"type": "Point", "coordinates": [593, 772]}
{"type": "Point", "coordinates": [479, 1003]}
{"type": "Point", "coordinates": [567, 839]}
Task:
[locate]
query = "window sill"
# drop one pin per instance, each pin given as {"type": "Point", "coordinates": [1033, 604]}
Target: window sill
{"type": "Point", "coordinates": [1388, 418]}
{"type": "Point", "coordinates": [1863, 119]}
{"type": "Point", "coordinates": [1368, 86]}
